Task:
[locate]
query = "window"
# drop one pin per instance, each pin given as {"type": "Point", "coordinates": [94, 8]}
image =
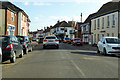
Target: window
{"type": "Point", "coordinates": [98, 37]}
{"type": "Point", "coordinates": [113, 22]}
{"type": "Point", "coordinates": [66, 30]}
{"type": "Point", "coordinates": [62, 28]}
{"type": "Point", "coordinates": [108, 34]}
{"type": "Point", "coordinates": [108, 21]}
{"type": "Point", "coordinates": [95, 38]}
{"type": "Point", "coordinates": [11, 16]}
{"type": "Point", "coordinates": [95, 24]}
{"type": "Point", "coordinates": [112, 34]}
{"type": "Point", "coordinates": [103, 23]}
{"type": "Point", "coordinates": [98, 23]}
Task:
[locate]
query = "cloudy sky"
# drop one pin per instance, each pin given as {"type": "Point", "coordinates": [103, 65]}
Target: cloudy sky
{"type": "Point", "coordinates": [43, 13]}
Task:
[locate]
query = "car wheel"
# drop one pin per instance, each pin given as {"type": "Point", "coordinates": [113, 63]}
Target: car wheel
{"type": "Point", "coordinates": [98, 50]}
{"type": "Point", "coordinates": [105, 52]}
{"type": "Point", "coordinates": [26, 51]}
{"type": "Point", "coordinates": [44, 47]}
{"type": "Point", "coordinates": [13, 59]}
{"type": "Point", "coordinates": [31, 49]}
{"type": "Point", "coordinates": [57, 47]}
{"type": "Point", "coordinates": [21, 55]}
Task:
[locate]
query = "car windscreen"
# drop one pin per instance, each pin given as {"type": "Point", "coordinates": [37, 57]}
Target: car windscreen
{"type": "Point", "coordinates": [50, 37]}
{"type": "Point", "coordinates": [113, 40]}
{"type": "Point", "coordinates": [21, 39]}
{"type": "Point", "coordinates": [4, 39]}
{"type": "Point", "coordinates": [77, 39]}
{"type": "Point", "coordinates": [67, 38]}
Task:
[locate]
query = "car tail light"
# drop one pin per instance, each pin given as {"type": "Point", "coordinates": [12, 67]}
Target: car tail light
{"type": "Point", "coordinates": [39, 39]}
{"type": "Point", "coordinates": [28, 42]}
{"type": "Point", "coordinates": [56, 40]}
{"type": "Point", "coordinates": [10, 46]}
{"type": "Point", "coordinates": [24, 43]}
{"type": "Point", "coordinates": [44, 40]}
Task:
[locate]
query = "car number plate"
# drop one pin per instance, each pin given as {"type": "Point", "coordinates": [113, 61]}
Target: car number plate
{"type": "Point", "coordinates": [78, 43]}
{"type": "Point", "coordinates": [50, 41]}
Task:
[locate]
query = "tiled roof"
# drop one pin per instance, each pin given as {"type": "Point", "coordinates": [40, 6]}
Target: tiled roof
{"type": "Point", "coordinates": [107, 8]}
{"type": "Point", "coordinates": [62, 24]}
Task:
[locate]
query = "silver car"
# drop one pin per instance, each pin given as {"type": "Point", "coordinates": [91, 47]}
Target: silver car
{"type": "Point", "coordinates": [50, 40]}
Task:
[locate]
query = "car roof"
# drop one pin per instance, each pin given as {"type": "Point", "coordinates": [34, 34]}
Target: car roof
{"type": "Point", "coordinates": [51, 36]}
{"type": "Point", "coordinates": [110, 37]}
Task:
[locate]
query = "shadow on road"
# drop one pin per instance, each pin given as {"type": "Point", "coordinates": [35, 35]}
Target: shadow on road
{"type": "Point", "coordinates": [93, 54]}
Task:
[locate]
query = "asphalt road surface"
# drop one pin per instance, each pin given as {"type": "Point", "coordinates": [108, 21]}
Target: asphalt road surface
{"type": "Point", "coordinates": [66, 62]}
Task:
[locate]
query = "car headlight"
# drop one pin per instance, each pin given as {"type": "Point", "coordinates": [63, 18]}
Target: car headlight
{"type": "Point", "coordinates": [109, 46]}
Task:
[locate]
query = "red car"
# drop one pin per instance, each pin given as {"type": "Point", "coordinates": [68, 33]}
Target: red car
{"type": "Point", "coordinates": [77, 41]}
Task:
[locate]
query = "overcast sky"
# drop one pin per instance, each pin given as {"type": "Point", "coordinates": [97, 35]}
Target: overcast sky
{"type": "Point", "coordinates": [43, 13]}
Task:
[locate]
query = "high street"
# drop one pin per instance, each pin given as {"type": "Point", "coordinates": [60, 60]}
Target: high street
{"type": "Point", "coordinates": [66, 62]}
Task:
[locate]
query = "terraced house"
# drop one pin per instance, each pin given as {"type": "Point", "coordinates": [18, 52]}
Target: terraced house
{"type": "Point", "coordinates": [11, 21]}
{"type": "Point", "coordinates": [106, 22]}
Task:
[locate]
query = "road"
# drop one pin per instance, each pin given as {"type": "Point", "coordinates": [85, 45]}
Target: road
{"type": "Point", "coordinates": [66, 62]}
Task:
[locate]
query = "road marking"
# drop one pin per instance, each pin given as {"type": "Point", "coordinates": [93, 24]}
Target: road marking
{"type": "Point", "coordinates": [78, 68]}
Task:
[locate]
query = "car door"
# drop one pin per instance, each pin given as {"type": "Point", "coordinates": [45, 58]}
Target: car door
{"type": "Point", "coordinates": [100, 44]}
{"type": "Point", "coordinates": [19, 46]}
{"type": "Point", "coordinates": [103, 45]}
{"type": "Point", "coordinates": [15, 46]}
{"type": "Point", "coordinates": [28, 42]}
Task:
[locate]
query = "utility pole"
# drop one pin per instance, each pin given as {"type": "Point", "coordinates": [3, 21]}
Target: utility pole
{"type": "Point", "coordinates": [81, 18]}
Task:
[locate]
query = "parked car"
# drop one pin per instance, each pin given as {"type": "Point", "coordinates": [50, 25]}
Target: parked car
{"type": "Point", "coordinates": [50, 41]}
{"type": "Point", "coordinates": [11, 48]}
{"type": "Point", "coordinates": [33, 38]}
{"type": "Point", "coordinates": [109, 45]}
{"type": "Point", "coordinates": [77, 41]}
{"type": "Point", "coordinates": [40, 40]}
{"type": "Point", "coordinates": [26, 43]}
{"type": "Point", "coordinates": [66, 40]}
{"type": "Point", "coordinates": [60, 40]}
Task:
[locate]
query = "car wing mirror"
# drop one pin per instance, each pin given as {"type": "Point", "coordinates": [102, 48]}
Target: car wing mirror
{"type": "Point", "coordinates": [103, 42]}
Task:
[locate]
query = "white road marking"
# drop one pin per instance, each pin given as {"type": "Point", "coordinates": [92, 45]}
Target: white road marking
{"type": "Point", "coordinates": [78, 68]}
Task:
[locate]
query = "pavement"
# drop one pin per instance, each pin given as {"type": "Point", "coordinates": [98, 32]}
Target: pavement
{"type": "Point", "coordinates": [66, 62]}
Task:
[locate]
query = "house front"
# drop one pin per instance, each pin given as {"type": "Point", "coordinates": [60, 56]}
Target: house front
{"type": "Point", "coordinates": [106, 22]}
{"type": "Point", "coordinates": [86, 30]}
{"type": "Point", "coordinates": [9, 15]}
{"type": "Point", "coordinates": [63, 29]}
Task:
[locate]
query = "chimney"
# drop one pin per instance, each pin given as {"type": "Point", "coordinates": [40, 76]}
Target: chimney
{"type": "Point", "coordinates": [58, 21]}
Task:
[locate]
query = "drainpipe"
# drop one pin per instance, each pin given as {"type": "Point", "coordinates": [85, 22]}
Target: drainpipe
{"type": "Point", "coordinates": [118, 24]}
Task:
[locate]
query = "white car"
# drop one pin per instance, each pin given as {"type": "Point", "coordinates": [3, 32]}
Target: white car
{"type": "Point", "coordinates": [50, 41]}
{"type": "Point", "coordinates": [109, 45]}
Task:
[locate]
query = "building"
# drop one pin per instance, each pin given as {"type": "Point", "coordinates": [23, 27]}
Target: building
{"type": "Point", "coordinates": [78, 30]}
{"type": "Point", "coordinates": [86, 30]}
{"type": "Point", "coordinates": [23, 23]}
{"type": "Point", "coordinates": [9, 15]}
{"type": "Point", "coordinates": [63, 29]}
{"type": "Point", "coordinates": [106, 22]}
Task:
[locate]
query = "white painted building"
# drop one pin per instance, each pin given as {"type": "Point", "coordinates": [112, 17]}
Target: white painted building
{"type": "Point", "coordinates": [106, 22]}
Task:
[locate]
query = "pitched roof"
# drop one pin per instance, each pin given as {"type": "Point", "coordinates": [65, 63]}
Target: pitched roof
{"type": "Point", "coordinates": [107, 8]}
{"type": "Point", "coordinates": [89, 18]}
{"type": "Point", "coordinates": [10, 6]}
{"type": "Point", "coordinates": [62, 24]}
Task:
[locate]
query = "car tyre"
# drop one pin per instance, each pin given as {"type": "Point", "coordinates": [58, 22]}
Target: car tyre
{"type": "Point", "coordinates": [21, 55]}
{"type": "Point", "coordinates": [57, 47]}
{"type": "Point", "coordinates": [44, 47]}
{"type": "Point", "coordinates": [26, 51]}
{"type": "Point", "coordinates": [13, 59]}
{"type": "Point", "coordinates": [105, 52]}
{"type": "Point", "coordinates": [98, 50]}
{"type": "Point", "coordinates": [31, 49]}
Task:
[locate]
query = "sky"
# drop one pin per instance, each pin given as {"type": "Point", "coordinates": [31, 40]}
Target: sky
{"type": "Point", "coordinates": [43, 13]}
